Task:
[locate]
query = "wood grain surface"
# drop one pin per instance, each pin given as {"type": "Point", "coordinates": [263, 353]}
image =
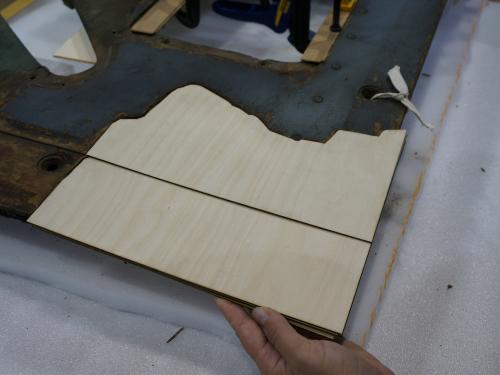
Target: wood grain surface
{"type": "Point", "coordinates": [320, 46]}
{"type": "Point", "coordinates": [157, 16]}
{"type": "Point", "coordinates": [307, 273]}
{"type": "Point", "coordinates": [196, 139]}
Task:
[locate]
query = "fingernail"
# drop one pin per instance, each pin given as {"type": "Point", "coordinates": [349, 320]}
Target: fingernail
{"type": "Point", "coordinates": [260, 315]}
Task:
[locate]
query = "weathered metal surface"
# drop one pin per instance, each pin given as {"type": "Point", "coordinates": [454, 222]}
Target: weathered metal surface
{"type": "Point", "coordinates": [133, 73]}
{"type": "Point", "coordinates": [28, 173]}
{"type": "Point", "coordinates": [14, 56]}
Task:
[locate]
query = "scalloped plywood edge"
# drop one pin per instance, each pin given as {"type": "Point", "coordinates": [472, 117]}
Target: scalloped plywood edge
{"type": "Point", "coordinates": [197, 139]}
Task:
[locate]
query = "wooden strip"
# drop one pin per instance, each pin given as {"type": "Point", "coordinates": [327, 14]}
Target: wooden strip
{"type": "Point", "coordinates": [307, 273]}
{"type": "Point", "coordinates": [320, 46]}
{"type": "Point", "coordinates": [11, 8]}
{"type": "Point", "coordinates": [196, 139]}
{"type": "Point", "coordinates": [157, 16]}
{"type": "Point", "coordinates": [348, 5]}
{"type": "Point", "coordinates": [77, 48]}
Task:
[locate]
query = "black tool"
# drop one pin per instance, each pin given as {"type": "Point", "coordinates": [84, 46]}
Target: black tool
{"type": "Point", "coordinates": [335, 27]}
{"type": "Point", "coordinates": [191, 16]}
{"type": "Point", "coordinates": [300, 14]}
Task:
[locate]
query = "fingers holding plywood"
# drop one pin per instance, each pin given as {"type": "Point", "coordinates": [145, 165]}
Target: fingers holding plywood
{"type": "Point", "coordinates": [157, 16]}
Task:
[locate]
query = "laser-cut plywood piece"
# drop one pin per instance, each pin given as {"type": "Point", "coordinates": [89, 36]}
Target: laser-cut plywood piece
{"type": "Point", "coordinates": [162, 209]}
{"type": "Point", "coordinates": [307, 273]}
{"type": "Point", "coordinates": [157, 16]}
{"type": "Point", "coordinates": [196, 139]}
{"type": "Point", "coordinates": [77, 48]}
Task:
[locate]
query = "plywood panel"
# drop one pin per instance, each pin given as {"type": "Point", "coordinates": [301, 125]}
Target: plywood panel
{"type": "Point", "coordinates": [307, 273]}
{"type": "Point", "coordinates": [157, 16]}
{"type": "Point", "coordinates": [197, 139]}
{"type": "Point", "coordinates": [77, 48]}
{"type": "Point", "coordinates": [319, 48]}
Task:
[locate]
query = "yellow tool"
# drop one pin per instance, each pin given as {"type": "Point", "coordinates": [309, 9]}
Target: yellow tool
{"type": "Point", "coordinates": [13, 8]}
{"type": "Point", "coordinates": [283, 7]}
{"type": "Point", "coordinates": [347, 5]}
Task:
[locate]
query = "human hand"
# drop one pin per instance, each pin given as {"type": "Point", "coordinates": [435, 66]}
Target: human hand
{"type": "Point", "coordinates": [278, 349]}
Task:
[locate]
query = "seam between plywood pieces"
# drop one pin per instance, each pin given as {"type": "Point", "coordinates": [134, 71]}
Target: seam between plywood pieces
{"type": "Point", "coordinates": [197, 139]}
{"type": "Point", "coordinates": [371, 244]}
{"type": "Point", "coordinates": [131, 212]}
{"type": "Point", "coordinates": [95, 214]}
{"type": "Point", "coordinates": [228, 200]}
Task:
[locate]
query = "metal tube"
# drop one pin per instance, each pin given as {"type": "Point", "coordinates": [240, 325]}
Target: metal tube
{"type": "Point", "coordinates": [335, 27]}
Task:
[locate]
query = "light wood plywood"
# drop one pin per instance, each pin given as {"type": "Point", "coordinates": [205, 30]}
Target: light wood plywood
{"type": "Point", "coordinates": [157, 16]}
{"type": "Point", "coordinates": [305, 272]}
{"type": "Point", "coordinates": [319, 48]}
{"type": "Point", "coordinates": [78, 48]}
{"type": "Point", "coordinates": [196, 139]}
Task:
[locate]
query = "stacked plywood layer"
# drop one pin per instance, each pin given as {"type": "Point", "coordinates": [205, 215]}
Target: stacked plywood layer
{"type": "Point", "coordinates": [205, 193]}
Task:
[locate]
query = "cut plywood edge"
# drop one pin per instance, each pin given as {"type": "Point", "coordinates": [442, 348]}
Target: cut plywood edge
{"type": "Point", "coordinates": [322, 42]}
{"type": "Point", "coordinates": [197, 139]}
{"type": "Point", "coordinates": [157, 16]}
{"type": "Point", "coordinates": [78, 48]}
{"type": "Point", "coordinates": [306, 273]}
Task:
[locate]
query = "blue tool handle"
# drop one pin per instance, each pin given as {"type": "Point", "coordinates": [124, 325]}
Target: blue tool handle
{"type": "Point", "coordinates": [263, 14]}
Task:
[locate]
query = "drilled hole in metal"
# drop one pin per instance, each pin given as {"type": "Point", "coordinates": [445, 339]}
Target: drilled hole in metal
{"type": "Point", "coordinates": [368, 92]}
{"type": "Point", "coordinates": [50, 163]}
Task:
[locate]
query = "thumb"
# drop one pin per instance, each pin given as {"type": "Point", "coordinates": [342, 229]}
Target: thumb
{"type": "Point", "coordinates": [291, 345]}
